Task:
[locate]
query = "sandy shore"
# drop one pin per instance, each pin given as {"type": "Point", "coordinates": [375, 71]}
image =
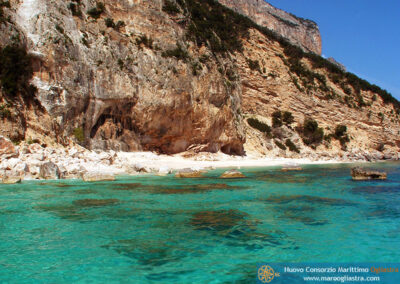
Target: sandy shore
{"type": "Point", "coordinates": [217, 160]}
{"type": "Point", "coordinates": [31, 162]}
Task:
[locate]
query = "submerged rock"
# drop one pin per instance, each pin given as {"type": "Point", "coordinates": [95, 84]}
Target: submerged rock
{"type": "Point", "coordinates": [291, 168]}
{"type": "Point", "coordinates": [189, 173]}
{"type": "Point", "coordinates": [217, 220]}
{"type": "Point", "coordinates": [232, 174]}
{"type": "Point", "coordinates": [358, 173]}
{"type": "Point", "coordinates": [49, 170]}
{"type": "Point", "coordinates": [97, 177]}
{"type": "Point", "coordinates": [95, 202]}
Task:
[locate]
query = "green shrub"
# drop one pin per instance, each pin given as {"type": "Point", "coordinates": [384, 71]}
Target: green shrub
{"type": "Point", "coordinates": [277, 119]}
{"type": "Point", "coordinates": [109, 23]}
{"type": "Point", "coordinates": [59, 29]}
{"type": "Point", "coordinates": [79, 134]}
{"type": "Point", "coordinates": [75, 9]}
{"type": "Point", "coordinates": [120, 63]}
{"type": "Point", "coordinates": [196, 67]}
{"type": "Point", "coordinates": [204, 58]}
{"type": "Point", "coordinates": [119, 25]}
{"type": "Point", "coordinates": [96, 12]}
{"type": "Point", "coordinates": [214, 25]}
{"type": "Point", "coordinates": [16, 72]}
{"type": "Point", "coordinates": [170, 7]}
{"type": "Point", "coordinates": [260, 126]}
{"type": "Point", "coordinates": [254, 65]}
{"type": "Point", "coordinates": [178, 52]}
{"type": "Point", "coordinates": [292, 147]}
{"type": "Point", "coordinates": [341, 135]}
{"type": "Point", "coordinates": [307, 76]}
{"type": "Point", "coordinates": [280, 145]}
{"type": "Point", "coordinates": [312, 134]}
{"type": "Point", "coordinates": [4, 112]}
{"type": "Point", "coordinates": [85, 41]}
{"type": "Point", "coordinates": [287, 118]}
{"type": "Point", "coordinates": [328, 138]}
{"type": "Point", "coordinates": [344, 140]}
{"type": "Point", "coordinates": [3, 4]}
{"type": "Point", "coordinates": [340, 130]}
{"type": "Point", "coordinates": [146, 41]}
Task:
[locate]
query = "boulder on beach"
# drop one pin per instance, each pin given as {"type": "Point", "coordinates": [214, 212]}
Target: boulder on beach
{"type": "Point", "coordinates": [91, 177]}
{"type": "Point", "coordinates": [49, 170]}
{"type": "Point", "coordinates": [358, 173]}
{"type": "Point", "coordinates": [189, 173]}
{"type": "Point", "coordinates": [7, 149]}
{"type": "Point", "coordinates": [232, 174]}
{"type": "Point", "coordinates": [11, 179]}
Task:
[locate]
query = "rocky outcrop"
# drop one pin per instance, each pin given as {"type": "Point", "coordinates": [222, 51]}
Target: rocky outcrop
{"type": "Point", "coordinates": [11, 179]}
{"type": "Point", "coordinates": [302, 32]}
{"type": "Point", "coordinates": [232, 174]}
{"type": "Point", "coordinates": [7, 149]}
{"type": "Point", "coordinates": [105, 90]}
{"type": "Point", "coordinates": [146, 86]}
{"type": "Point", "coordinates": [189, 173]}
{"type": "Point", "coordinates": [358, 173]}
{"type": "Point", "coordinates": [339, 65]}
{"type": "Point", "coordinates": [49, 170]}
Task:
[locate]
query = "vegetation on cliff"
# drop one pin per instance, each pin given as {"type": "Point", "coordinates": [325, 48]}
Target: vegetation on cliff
{"type": "Point", "coordinates": [260, 126]}
{"type": "Point", "coordinates": [3, 4]}
{"type": "Point", "coordinates": [16, 72]}
{"type": "Point", "coordinates": [311, 133]}
{"type": "Point", "coordinates": [221, 29]}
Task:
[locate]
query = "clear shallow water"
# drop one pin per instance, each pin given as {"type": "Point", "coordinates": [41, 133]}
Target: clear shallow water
{"type": "Point", "coordinates": [208, 230]}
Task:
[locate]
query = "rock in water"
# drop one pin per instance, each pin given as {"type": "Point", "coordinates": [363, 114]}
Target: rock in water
{"type": "Point", "coordinates": [49, 170]}
{"type": "Point", "coordinates": [291, 168]}
{"type": "Point", "coordinates": [11, 180]}
{"type": "Point", "coordinates": [358, 173]}
{"type": "Point", "coordinates": [98, 177]}
{"type": "Point", "coordinates": [189, 173]}
{"type": "Point", "coordinates": [7, 149]}
{"type": "Point", "coordinates": [232, 174]}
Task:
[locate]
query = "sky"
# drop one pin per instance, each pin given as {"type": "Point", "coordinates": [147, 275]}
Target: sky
{"type": "Point", "coordinates": [363, 35]}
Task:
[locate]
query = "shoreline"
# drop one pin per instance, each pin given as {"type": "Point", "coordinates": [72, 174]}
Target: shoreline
{"type": "Point", "coordinates": [34, 162]}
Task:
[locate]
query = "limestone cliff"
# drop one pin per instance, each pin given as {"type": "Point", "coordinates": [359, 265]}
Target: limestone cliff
{"type": "Point", "coordinates": [302, 32]}
{"type": "Point", "coordinates": [171, 76]}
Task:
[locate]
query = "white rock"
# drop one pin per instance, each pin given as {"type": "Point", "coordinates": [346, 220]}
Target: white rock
{"type": "Point", "coordinates": [13, 162]}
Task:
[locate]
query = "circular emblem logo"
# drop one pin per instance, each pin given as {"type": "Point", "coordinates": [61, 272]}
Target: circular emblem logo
{"type": "Point", "coordinates": [266, 273]}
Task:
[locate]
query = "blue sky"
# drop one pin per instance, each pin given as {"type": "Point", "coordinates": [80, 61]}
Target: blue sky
{"type": "Point", "coordinates": [364, 35]}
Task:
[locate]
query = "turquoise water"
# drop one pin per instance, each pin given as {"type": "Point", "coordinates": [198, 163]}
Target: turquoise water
{"type": "Point", "coordinates": [207, 230]}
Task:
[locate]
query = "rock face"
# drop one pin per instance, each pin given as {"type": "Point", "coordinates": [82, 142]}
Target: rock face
{"type": "Point", "coordinates": [49, 170]}
{"type": "Point", "coordinates": [121, 94]}
{"type": "Point", "coordinates": [144, 86]}
{"type": "Point", "coordinates": [302, 32]}
{"type": "Point", "coordinates": [7, 149]}
{"type": "Point", "coordinates": [363, 174]}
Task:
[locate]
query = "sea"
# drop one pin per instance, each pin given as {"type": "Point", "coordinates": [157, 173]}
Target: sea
{"type": "Point", "coordinates": [162, 229]}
